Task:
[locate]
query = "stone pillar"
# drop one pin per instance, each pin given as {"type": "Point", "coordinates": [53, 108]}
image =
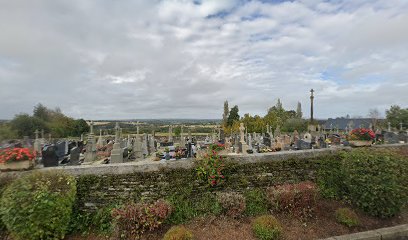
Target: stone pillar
{"type": "Point", "coordinates": [182, 139]}
{"type": "Point", "coordinates": [37, 143]}
{"type": "Point", "coordinates": [90, 154]}
{"type": "Point", "coordinates": [311, 105]}
{"type": "Point", "coordinates": [117, 151]}
{"type": "Point", "coordinates": [170, 133]}
{"type": "Point", "coordinates": [389, 127]}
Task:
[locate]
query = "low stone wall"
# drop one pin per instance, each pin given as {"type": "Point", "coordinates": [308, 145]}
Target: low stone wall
{"type": "Point", "coordinates": [101, 185]}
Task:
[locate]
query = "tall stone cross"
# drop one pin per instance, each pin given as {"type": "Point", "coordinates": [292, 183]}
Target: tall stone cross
{"type": "Point", "coordinates": [311, 104]}
{"type": "Point", "coordinates": [401, 126]}
{"type": "Point", "coordinates": [117, 129]}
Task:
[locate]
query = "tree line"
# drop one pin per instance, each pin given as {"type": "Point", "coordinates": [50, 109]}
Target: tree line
{"type": "Point", "coordinates": [52, 122]}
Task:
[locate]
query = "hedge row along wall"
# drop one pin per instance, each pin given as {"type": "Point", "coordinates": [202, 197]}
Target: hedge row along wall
{"type": "Point", "coordinates": [119, 183]}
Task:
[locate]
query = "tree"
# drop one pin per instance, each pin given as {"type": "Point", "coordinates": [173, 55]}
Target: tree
{"type": "Point", "coordinates": [374, 114]}
{"type": "Point", "coordinates": [225, 114]}
{"type": "Point", "coordinates": [177, 131]}
{"type": "Point", "coordinates": [41, 112]}
{"type": "Point", "coordinates": [293, 124]}
{"type": "Point", "coordinates": [397, 115]}
{"type": "Point", "coordinates": [299, 113]}
{"type": "Point", "coordinates": [80, 127]}
{"type": "Point", "coordinates": [233, 116]}
{"type": "Point", "coordinates": [25, 125]}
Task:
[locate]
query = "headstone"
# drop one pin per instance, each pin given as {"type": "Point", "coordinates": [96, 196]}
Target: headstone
{"type": "Point", "coordinates": [74, 156]}
{"type": "Point", "coordinates": [137, 147]}
{"type": "Point", "coordinates": [117, 151]}
{"type": "Point", "coordinates": [277, 132]}
{"type": "Point", "coordinates": [37, 143]}
{"type": "Point", "coordinates": [303, 145]}
{"type": "Point", "coordinates": [49, 156]}
{"type": "Point", "coordinates": [391, 138]}
{"type": "Point", "coordinates": [90, 154]}
{"type": "Point", "coordinates": [307, 137]}
{"type": "Point", "coordinates": [61, 149]}
{"type": "Point", "coordinates": [100, 142]}
{"type": "Point", "coordinates": [243, 145]}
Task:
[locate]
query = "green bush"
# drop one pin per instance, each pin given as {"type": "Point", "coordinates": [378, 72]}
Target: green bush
{"type": "Point", "coordinates": [178, 233]}
{"type": "Point", "coordinates": [330, 178]}
{"type": "Point", "coordinates": [347, 217]}
{"type": "Point", "coordinates": [256, 202]}
{"type": "Point", "coordinates": [372, 179]}
{"type": "Point", "coordinates": [185, 209]}
{"type": "Point", "coordinates": [267, 227]}
{"type": "Point", "coordinates": [4, 182]}
{"type": "Point", "coordinates": [39, 205]}
{"type": "Point", "coordinates": [376, 181]}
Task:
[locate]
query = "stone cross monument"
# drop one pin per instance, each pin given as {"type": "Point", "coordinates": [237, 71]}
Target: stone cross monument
{"type": "Point", "coordinates": [242, 138]}
{"type": "Point", "coordinates": [311, 105]}
{"type": "Point", "coordinates": [117, 151]}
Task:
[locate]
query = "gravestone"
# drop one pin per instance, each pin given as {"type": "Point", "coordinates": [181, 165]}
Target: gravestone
{"type": "Point", "coordinates": [49, 156]}
{"type": "Point", "coordinates": [74, 156]}
{"type": "Point", "coordinates": [303, 145]}
{"type": "Point", "coordinates": [307, 138]}
{"type": "Point", "coordinates": [117, 151]}
{"type": "Point", "coordinates": [391, 138]}
{"type": "Point", "coordinates": [61, 149]}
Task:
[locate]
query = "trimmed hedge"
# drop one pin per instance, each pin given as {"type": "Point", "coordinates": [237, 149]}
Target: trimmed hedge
{"type": "Point", "coordinates": [372, 179]}
{"type": "Point", "coordinates": [39, 205]}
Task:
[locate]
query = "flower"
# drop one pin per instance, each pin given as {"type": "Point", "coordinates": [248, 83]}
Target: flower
{"type": "Point", "coordinates": [15, 154]}
{"type": "Point", "coordinates": [362, 134]}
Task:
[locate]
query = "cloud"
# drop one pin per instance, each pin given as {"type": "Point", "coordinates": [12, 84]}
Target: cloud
{"type": "Point", "coordinates": [182, 59]}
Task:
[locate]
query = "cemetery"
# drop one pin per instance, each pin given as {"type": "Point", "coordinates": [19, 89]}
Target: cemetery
{"type": "Point", "coordinates": [261, 185]}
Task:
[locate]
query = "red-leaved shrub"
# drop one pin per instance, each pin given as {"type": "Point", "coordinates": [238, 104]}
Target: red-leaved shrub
{"type": "Point", "coordinates": [132, 220]}
{"type": "Point", "coordinates": [298, 199]}
{"type": "Point", "coordinates": [232, 203]}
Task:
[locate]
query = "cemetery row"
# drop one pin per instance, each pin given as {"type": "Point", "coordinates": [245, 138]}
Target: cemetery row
{"type": "Point", "coordinates": [105, 149]}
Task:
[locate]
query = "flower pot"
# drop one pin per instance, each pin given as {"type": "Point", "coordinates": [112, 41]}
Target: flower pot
{"type": "Point", "coordinates": [17, 165]}
{"type": "Point", "coordinates": [360, 143]}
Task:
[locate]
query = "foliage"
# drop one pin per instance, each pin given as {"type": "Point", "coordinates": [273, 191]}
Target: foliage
{"type": "Point", "coordinates": [298, 199]}
{"type": "Point", "coordinates": [347, 217]}
{"type": "Point", "coordinates": [178, 233]}
{"type": "Point", "coordinates": [6, 132]}
{"type": "Point", "coordinates": [133, 219]}
{"type": "Point", "coordinates": [39, 205]}
{"type": "Point", "coordinates": [330, 178]}
{"type": "Point", "coordinates": [225, 114]}
{"type": "Point", "coordinates": [267, 227]}
{"type": "Point", "coordinates": [364, 134]}
{"type": "Point", "coordinates": [376, 181]}
{"type": "Point", "coordinates": [4, 182]}
{"type": "Point", "coordinates": [25, 125]}
{"type": "Point", "coordinates": [293, 124]}
{"type": "Point", "coordinates": [185, 209]}
{"type": "Point", "coordinates": [51, 121]}
{"type": "Point", "coordinates": [396, 115]}
{"type": "Point", "coordinates": [233, 115]}
{"type": "Point", "coordinates": [210, 168]}
{"type": "Point", "coordinates": [217, 147]}
{"type": "Point", "coordinates": [299, 113]}
{"type": "Point", "coordinates": [373, 180]}
{"type": "Point", "coordinates": [232, 203]}
{"type": "Point", "coordinates": [8, 155]}
{"type": "Point", "coordinates": [256, 202]}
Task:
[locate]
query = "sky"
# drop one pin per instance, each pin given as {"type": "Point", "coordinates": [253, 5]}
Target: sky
{"type": "Point", "coordinates": [130, 59]}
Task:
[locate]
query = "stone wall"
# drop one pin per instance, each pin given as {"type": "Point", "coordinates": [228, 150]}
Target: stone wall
{"type": "Point", "coordinates": [111, 184]}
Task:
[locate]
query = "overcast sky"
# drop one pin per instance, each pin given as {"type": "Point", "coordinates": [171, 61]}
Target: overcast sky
{"type": "Point", "coordinates": [123, 59]}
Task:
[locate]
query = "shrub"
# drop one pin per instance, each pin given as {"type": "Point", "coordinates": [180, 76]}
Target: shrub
{"type": "Point", "coordinates": [4, 182]}
{"type": "Point", "coordinates": [39, 205]}
{"type": "Point", "coordinates": [347, 217]}
{"type": "Point", "coordinates": [330, 178]}
{"type": "Point", "coordinates": [267, 228]}
{"type": "Point", "coordinates": [186, 209]}
{"type": "Point", "coordinates": [376, 181]}
{"type": "Point", "coordinates": [232, 203]}
{"type": "Point", "coordinates": [132, 220]}
{"type": "Point", "coordinates": [298, 199]}
{"type": "Point", "coordinates": [178, 233]}
{"type": "Point", "coordinates": [256, 202]}
{"type": "Point", "coordinates": [210, 169]}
